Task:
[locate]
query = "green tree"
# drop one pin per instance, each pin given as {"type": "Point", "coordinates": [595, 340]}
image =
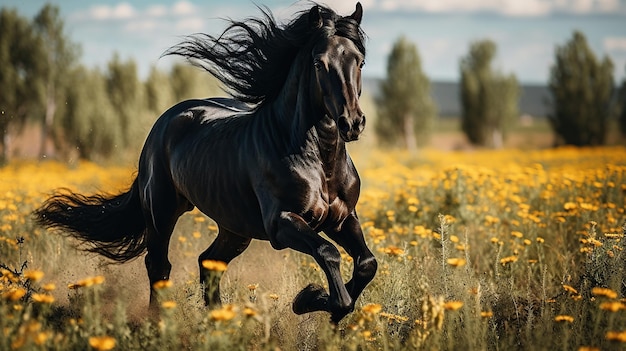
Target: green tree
{"type": "Point", "coordinates": [127, 95]}
{"type": "Point", "coordinates": [489, 99]}
{"type": "Point", "coordinates": [581, 89]}
{"type": "Point", "coordinates": [19, 52]}
{"type": "Point", "coordinates": [89, 125]}
{"type": "Point", "coordinates": [621, 108]}
{"type": "Point", "coordinates": [188, 82]}
{"type": "Point", "coordinates": [406, 109]}
{"type": "Point", "coordinates": [58, 57]}
{"type": "Point", "coordinates": [159, 93]}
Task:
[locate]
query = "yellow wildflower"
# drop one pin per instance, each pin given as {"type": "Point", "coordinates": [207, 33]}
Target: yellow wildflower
{"type": "Point", "coordinates": [162, 284]}
{"type": "Point", "coordinates": [612, 306]}
{"type": "Point", "coordinates": [564, 318]}
{"type": "Point", "coordinates": [213, 265]}
{"type": "Point", "coordinates": [570, 289]}
{"type": "Point", "coordinates": [372, 308]}
{"type": "Point", "coordinates": [598, 291]}
{"type": "Point", "coordinates": [34, 275]}
{"type": "Point", "coordinates": [616, 336]}
{"type": "Point", "coordinates": [168, 305]}
{"type": "Point", "coordinates": [456, 262]}
{"type": "Point", "coordinates": [452, 305]}
{"type": "Point", "coordinates": [43, 298]}
{"type": "Point", "coordinates": [225, 313]}
{"type": "Point", "coordinates": [102, 343]}
{"type": "Point", "coordinates": [14, 294]}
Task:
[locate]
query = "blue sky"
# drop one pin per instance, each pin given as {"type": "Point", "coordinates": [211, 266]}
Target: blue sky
{"type": "Point", "coordinates": [526, 31]}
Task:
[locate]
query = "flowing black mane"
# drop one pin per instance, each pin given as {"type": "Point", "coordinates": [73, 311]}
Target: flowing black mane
{"type": "Point", "coordinates": [252, 58]}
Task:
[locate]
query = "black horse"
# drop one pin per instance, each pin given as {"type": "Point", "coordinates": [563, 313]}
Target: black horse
{"type": "Point", "coordinates": [269, 164]}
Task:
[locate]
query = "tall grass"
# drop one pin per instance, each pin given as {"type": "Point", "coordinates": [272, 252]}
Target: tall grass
{"type": "Point", "coordinates": [482, 250]}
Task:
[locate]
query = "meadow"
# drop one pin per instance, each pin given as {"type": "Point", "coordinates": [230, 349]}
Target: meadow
{"type": "Point", "coordinates": [477, 250]}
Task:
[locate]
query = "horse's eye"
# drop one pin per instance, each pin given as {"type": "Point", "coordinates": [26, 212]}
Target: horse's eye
{"type": "Point", "coordinates": [362, 64]}
{"type": "Point", "coordinates": [318, 65]}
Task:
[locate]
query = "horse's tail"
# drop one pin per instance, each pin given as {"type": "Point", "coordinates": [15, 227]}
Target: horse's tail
{"type": "Point", "coordinates": [113, 226]}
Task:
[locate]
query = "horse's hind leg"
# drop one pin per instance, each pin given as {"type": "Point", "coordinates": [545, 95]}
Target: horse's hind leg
{"type": "Point", "coordinates": [162, 206]}
{"type": "Point", "coordinates": [224, 248]}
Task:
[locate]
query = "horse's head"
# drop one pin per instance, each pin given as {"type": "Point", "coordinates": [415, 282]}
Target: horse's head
{"type": "Point", "coordinates": [337, 64]}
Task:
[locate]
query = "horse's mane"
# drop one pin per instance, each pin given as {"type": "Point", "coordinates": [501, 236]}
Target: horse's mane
{"type": "Point", "coordinates": [252, 58]}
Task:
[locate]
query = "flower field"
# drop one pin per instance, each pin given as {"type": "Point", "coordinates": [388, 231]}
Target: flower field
{"type": "Point", "coordinates": [477, 250]}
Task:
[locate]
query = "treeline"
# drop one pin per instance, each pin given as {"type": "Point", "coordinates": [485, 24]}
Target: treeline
{"type": "Point", "coordinates": [83, 112]}
{"type": "Point", "coordinates": [99, 113]}
{"type": "Point", "coordinates": [583, 99]}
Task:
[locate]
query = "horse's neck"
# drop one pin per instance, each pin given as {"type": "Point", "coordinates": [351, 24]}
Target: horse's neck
{"type": "Point", "coordinates": [308, 128]}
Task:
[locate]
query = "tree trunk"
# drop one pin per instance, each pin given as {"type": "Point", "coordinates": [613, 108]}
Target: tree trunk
{"type": "Point", "coordinates": [409, 134]}
{"type": "Point", "coordinates": [47, 123]}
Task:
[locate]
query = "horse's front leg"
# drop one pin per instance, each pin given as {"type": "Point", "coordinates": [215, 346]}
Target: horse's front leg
{"type": "Point", "coordinates": [290, 230]}
{"type": "Point", "coordinates": [350, 237]}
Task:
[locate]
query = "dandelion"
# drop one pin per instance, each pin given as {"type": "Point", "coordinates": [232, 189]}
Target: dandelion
{"type": "Point", "coordinates": [598, 291]}
{"type": "Point", "coordinates": [34, 275]}
{"type": "Point", "coordinates": [199, 219]}
{"type": "Point", "coordinates": [49, 287]}
{"type": "Point", "coordinates": [540, 240]}
{"type": "Point", "coordinates": [223, 314]}
{"type": "Point", "coordinates": [372, 308]}
{"type": "Point", "coordinates": [509, 259]}
{"type": "Point", "coordinates": [486, 314]}
{"type": "Point", "coordinates": [162, 284]}
{"type": "Point", "coordinates": [456, 262]}
{"type": "Point", "coordinates": [452, 305]}
{"type": "Point", "coordinates": [393, 251]}
{"type": "Point", "coordinates": [43, 298]}
{"type": "Point", "coordinates": [252, 287]}
{"type": "Point", "coordinates": [168, 305]}
{"type": "Point", "coordinates": [616, 336]}
{"type": "Point", "coordinates": [215, 266]}
{"type": "Point", "coordinates": [612, 306]}
{"type": "Point", "coordinates": [564, 318]}
{"type": "Point", "coordinates": [42, 337]}
{"type": "Point", "coordinates": [14, 294]}
{"type": "Point", "coordinates": [102, 343]}
{"type": "Point", "coordinates": [249, 312]}
{"type": "Point", "coordinates": [517, 234]}
{"type": "Point", "coordinates": [570, 289]}
{"type": "Point", "coordinates": [273, 297]}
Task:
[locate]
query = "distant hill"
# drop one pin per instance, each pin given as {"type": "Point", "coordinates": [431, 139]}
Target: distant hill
{"type": "Point", "coordinates": [446, 95]}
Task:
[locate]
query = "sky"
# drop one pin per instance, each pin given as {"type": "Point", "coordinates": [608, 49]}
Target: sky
{"type": "Point", "coordinates": [526, 32]}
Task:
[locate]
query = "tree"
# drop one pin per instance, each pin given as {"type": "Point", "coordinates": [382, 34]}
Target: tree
{"type": "Point", "coordinates": [188, 82]}
{"type": "Point", "coordinates": [489, 99]}
{"type": "Point", "coordinates": [19, 51]}
{"type": "Point", "coordinates": [159, 93]}
{"type": "Point", "coordinates": [581, 89]}
{"type": "Point", "coordinates": [406, 106]}
{"type": "Point", "coordinates": [621, 107]}
{"type": "Point", "coordinates": [127, 96]}
{"type": "Point", "coordinates": [58, 57]}
{"type": "Point", "coordinates": [89, 125]}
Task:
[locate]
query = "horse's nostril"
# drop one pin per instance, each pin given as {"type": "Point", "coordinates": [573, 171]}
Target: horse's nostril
{"type": "Point", "coordinates": [343, 124]}
{"type": "Point", "coordinates": [362, 123]}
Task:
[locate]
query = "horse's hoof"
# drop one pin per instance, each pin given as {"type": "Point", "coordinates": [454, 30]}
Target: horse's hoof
{"type": "Point", "coordinates": [312, 298]}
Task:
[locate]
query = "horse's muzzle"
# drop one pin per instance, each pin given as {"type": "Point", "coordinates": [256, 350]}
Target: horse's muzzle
{"type": "Point", "coordinates": [350, 129]}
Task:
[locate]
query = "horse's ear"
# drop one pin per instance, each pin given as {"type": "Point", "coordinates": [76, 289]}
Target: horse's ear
{"type": "Point", "coordinates": [358, 13]}
{"type": "Point", "coordinates": [315, 17]}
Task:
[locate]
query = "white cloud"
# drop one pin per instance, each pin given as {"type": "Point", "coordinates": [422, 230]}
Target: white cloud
{"type": "Point", "coordinates": [504, 7]}
{"type": "Point", "coordinates": [615, 44]}
{"type": "Point", "coordinates": [183, 8]}
{"type": "Point", "coordinates": [120, 11]}
{"type": "Point", "coordinates": [156, 11]}
{"type": "Point", "coordinates": [194, 24]}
